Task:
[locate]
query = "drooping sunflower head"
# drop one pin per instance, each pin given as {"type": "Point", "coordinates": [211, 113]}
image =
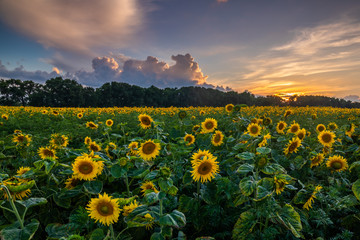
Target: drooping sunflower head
{"type": "Point", "coordinates": [292, 146]}
{"type": "Point", "coordinates": [332, 126]}
{"type": "Point", "coordinates": [19, 188]}
{"type": "Point", "coordinates": [337, 163]}
{"type": "Point", "coordinates": [280, 127]}
{"type": "Point", "coordinates": [109, 122]}
{"type": "Point", "coordinates": [149, 150]}
{"type": "Point", "coordinates": [294, 128]}
{"type": "Point", "coordinates": [189, 139]}
{"type": "Point", "coordinates": [149, 221]}
{"type": "Point", "coordinates": [287, 113]}
{"type": "Point", "coordinates": [317, 160]}
{"type": "Point", "coordinates": [182, 114]}
{"type": "Point", "coordinates": [326, 138]}
{"type": "Point", "coordinates": [217, 138]}
{"type": "Point", "coordinates": [128, 209]}
{"type": "Point", "coordinates": [350, 130]}
{"type": "Point", "coordinates": [71, 182]}
{"type": "Point", "coordinates": [264, 142]}
{"type": "Point", "coordinates": [199, 155]}
{"type": "Point", "coordinates": [209, 125]}
{"type": "Point", "coordinates": [280, 184]}
{"type": "Point", "coordinates": [109, 148]}
{"type": "Point", "coordinates": [320, 128]}
{"type": "Point", "coordinates": [58, 141]}
{"type": "Point", "coordinates": [301, 134]}
{"type": "Point", "coordinates": [145, 121]}
{"type": "Point", "coordinates": [22, 170]}
{"type": "Point", "coordinates": [87, 140]}
{"type": "Point", "coordinates": [148, 185]}
{"type": "Point", "coordinates": [133, 146]}
{"type": "Point", "coordinates": [47, 152]}
{"type": "Point", "coordinates": [254, 129]}
{"type": "Point", "coordinates": [104, 209]}
{"type": "Point", "coordinates": [205, 170]}
{"type": "Point", "coordinates": [91, 125]}
{"type": "Point", "coordinates": [229, 108]}
{"type": "Point", "coordinates": [93, 146]}
{"type": "Point", "coordinates": [85, 168]}
{"type": "Point", "coordinates": [195, 128]}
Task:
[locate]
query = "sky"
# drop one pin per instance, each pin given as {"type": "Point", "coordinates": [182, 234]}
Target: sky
{"type": "Point", "coordinates": [267, 47]}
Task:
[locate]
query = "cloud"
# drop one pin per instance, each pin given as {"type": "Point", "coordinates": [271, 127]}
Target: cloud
{"type": "Point", "coordinates": [20, 73]}
{"type": "Point", "coordinates": [75, 26]}
{"type": "Point", "coordinates": [319, 60]}
{"type": "Point", "coordinates": [353, 98]}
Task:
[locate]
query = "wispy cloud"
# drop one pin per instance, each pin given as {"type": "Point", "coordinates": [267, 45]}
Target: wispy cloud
{"type": "Point", "coordinates": [309, 62]}
{"type": "Point", "coordinates": [74, 26]}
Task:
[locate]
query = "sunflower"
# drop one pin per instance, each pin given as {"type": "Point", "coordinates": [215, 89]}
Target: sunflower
{"type": "Point", "coordinates": [229, 108]}
{"type": "Point", "coordinates": [332, 126]}
{"type": "Point", "coordinates": [317, 160]}
{"type": "Point", "coordinates": [85, 168]}
{"type": "Point", "coordinates": [80, 115]}
{"type": "Point", "coordinates": [205, 169]}
{"type": "Point", "coordinates": [145, 121]}
{"type": "Point", "coordinates": [314, 116]}
{"type": "Point", "coordinates": [133, 146]}
{"type": "Point", "coordinates": [18, 188]}
{"type": "Point", "coordinates": [264, 142]}
{"type": "Point", "coordinates": [149, 221]}
{"type": "Point", "coordinates": [267, 121]}
{"type": "Point", "coordinates": [280, 127]}
{"type": "Point", "coordinates": [93, 146]}
{"type": "Point", "coordinates": [128, 209]}
{"type": "Point", "coordinates": [294, 128]}
{"type": "Point", "coordinates": [182, 114]}
{"type": "Point", "coordinates": [280, 184]}
{"type": "Point", "coordinates": [287, 113]}
{"type": "Point", "coordinates": [111, 146]}
{"type": "Point", "coordinates": [199, 155]}
{"type": "Point", "coordinates": [195, 128]}
{"type": "Point", "coordinates": [71, 182]}
{"type": "Point", "coordinates": [301, 134]}
{"type": "Point", "coordinates": [209, 125]}
{"type": "Point", "coordinates": [91, 125]}
{"type": "Point", "coordinates": [104, 209]}
{"type": "Point", "coordinates": [254, 129]}
{"type": "Point", "coordinates": [350, 131]}
{"type": "Point", "coordinates": [47, 152]}
{"type": "Point", "coordinates": [326, 138]}
{"type": "Point", "coordinates": [148, 185]}
{"type": "Point", "coordinates": [109, 122]}
{"type": "Point", "coordinates": [292, 146]}
{"type": "Point", "coordinates": [5, 116]}
{"type": "Point", "coordinates": [337, 163]}
{"type": "Point", "coordinates": [217, 138]}
{"type": "Point", "coordinates": [149, 150]}
{"type": "Point", "coordinates": [22, 170]}
{"type": "Point", "coordinates": [58, 141]}
{"type": "Point", "coordinates": [320, 128]}
{"type": "Point", "coordinates": [189, 139]}
{"type": "Point", "coordinates": [87, 140]}
{"type": "Point", "coordinates": [22, 140]}
{"type": "Point", "coordinates": [44, 111]}
{"type": "Point", "coordinates": [308, 203]}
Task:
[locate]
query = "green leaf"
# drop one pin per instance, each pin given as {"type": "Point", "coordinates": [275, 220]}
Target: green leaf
{"type": "Point", "coordinates": [56, 230]}
{"type": "Point", "coordinates": [247, 186]}
{"type": "Point", "coordinates": [354, 165]}
{"type": "Point", "coordinates": [62, 202]}
{"type": "Point", "coordinates": [273, 168]}
{"type": "Point", "coordinates": [48, 166]}
{"type": "Point", "coordinates": [3, 176]}
{"type": "Point", "coordinates": [38, 164]}
{"type": "Point", "coordinates": [15, 232]}
{"type": "Point", "coordinates": [181, 236]}
{"type": "Point", "coordinates": [93, 187]}
{"type": "Point", "coordinates": [152, 198]}
{"type": "Point", "coordinates": [97, 234]}
{"type": "Point", "coordinates": [165, 185]}
{"type": "Point", "coordinates": [289, 218]}
{"type": "Point", "coordinates": [173, 190]}
{"type": "Point", "coordinates": [157, 236]}
{"type": "Point", "coordinates": [356, 189]}
{"type": "Point", "coordinates": [245, 168]}
{"type": "Point", "coordinates": [263, 150]}
{"type": "Point", "coordinates": [33, 202]}
{"type": "Point", "coordinates": [246, 156]}
{"type": "Point", "coordinates": [264, 188]}
{"type": "Point", "coordinates": [166, 231]}
{"type": "Point", "coordinates": [117, 171]}
{"type": "Point", "coordinates": [244, 225]}
{"type": "Point", "coordinates": [175, 219]}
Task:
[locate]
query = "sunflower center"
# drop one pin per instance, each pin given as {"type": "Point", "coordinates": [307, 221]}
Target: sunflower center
{"type": "Point", "coordinates": [281, 126]}
{"type": "Point", "coordinates": [217, 138]}
{"type": "Point", "coordinates": [94, 148]}
{"type": "Point", "coordinates": [74, 182]}
{"type": "Point", "coordinates": [229, 108]}
{"type": "Point", "coordinates": [294, 129]}
{"type": "Point", "coordinates": [209, 125]}
{"type": "Point", "coordinates": [301, 135]}
{"type": "Point", "coordinates": [48, 153]}
{"type": "Point", "coordinates": [20, 138]}
{"type": "Point", "coordinates": [189, 139]}
{"type": "Point", "coordinates": [86, 168]}
{"type": "Point", "coordinates": [336, 165]}
{"type": "Point", "coordinates": [105, 209]}
{"type": "Point", "coordinates": [321, 128]}
{"type": "Point", "coordinates": [204, 168]}
{"type": "Point", "coordinates": [148, 148]}
{"type": "Point", "coordinates": [145, 120]}
{"type": "Point", "coordinates": [254, 129]}
{"type": "Point", "coordinates": [293, 146]}
{"type": "Point", "coordinates": [316, 160]}
{"type": "Point", "coordinates": [326, 138]}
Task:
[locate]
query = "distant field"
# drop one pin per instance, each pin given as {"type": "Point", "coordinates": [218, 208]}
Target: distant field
{"type": "Point", "coordinates": [180, 173]}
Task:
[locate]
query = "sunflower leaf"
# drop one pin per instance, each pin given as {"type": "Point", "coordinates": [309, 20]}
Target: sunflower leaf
{"type": "Point", "coordinates": [93, 187]}
{"type": "Point", "coordinates": [247, 186]}
{"type": "Point", "coordinates": [356, 189]}
{"type": "Point", "coordinates": [31, 202]}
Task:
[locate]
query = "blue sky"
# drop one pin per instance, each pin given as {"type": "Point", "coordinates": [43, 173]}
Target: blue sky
{"type": "Point", "coordinates": [264, 46]}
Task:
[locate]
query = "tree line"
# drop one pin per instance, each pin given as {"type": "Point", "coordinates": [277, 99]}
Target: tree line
{"type": "Point", "coordinates": [59, 92]}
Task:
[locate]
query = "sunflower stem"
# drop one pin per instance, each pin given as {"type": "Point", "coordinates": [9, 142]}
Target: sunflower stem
{"type": "Point", "coordinates": [112, 232]}
{"type": "Point", "coordinates": [15, 211]}
{"type": "Point", "coordinates": [161, 207]}
{"type": "Point", "coordinates": [198, 198]}
{"type": "Point", "coordinates": [127, 185]}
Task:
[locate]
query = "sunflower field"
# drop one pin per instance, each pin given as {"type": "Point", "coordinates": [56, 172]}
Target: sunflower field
{"type": "Point", "coordinates": [234, 172]}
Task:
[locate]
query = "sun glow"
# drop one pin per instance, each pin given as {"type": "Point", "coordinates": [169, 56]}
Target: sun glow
{"type": "Point", "coordinates": [287, 96]}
